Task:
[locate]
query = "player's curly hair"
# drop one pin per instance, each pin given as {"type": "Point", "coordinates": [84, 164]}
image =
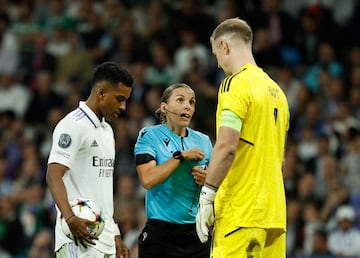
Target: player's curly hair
{"type": "Point", "coordinates": [113, 73]}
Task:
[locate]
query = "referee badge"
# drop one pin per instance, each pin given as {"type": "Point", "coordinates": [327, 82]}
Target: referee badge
{"type": "Point", "coordinates": [64, 140]}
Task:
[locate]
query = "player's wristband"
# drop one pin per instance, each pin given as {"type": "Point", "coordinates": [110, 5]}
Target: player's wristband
{"type": "Point", "coordinates": [213, 187]}
{"type": "Point", "coordinates": [66, 220]}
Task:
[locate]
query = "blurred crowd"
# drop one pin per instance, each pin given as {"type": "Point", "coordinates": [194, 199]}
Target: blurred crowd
{"type": "Point", "coordinates": [310, 47]}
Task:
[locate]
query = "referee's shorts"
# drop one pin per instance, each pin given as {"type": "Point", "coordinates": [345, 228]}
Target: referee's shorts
{"type": "Point", "coordinates": [160, 239]}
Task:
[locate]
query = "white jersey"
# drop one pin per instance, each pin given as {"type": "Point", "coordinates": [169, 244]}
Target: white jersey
{"type": "Point", "coordinates": [86, 146]}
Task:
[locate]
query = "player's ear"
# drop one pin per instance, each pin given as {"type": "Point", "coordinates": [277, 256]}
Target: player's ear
{"type": "Point", "coordinates": [101, 92]}
{"type": "Point", "coordinates": [224, 46]}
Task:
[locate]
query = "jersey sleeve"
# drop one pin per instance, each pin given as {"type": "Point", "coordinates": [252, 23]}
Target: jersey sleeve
{"type": "Point", "coordinates": [66, 144]}
{"type": "Point", "coordinates": [144, 143]}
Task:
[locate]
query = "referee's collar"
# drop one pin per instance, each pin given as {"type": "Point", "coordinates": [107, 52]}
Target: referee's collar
{"type": "Point", "coordinates": [90, 114]}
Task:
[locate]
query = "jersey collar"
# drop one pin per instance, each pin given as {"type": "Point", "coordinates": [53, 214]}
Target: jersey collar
{"type": "Point", "coordinates": [90, 114]}
{"type": "Point", "coordinates": [171, 132]}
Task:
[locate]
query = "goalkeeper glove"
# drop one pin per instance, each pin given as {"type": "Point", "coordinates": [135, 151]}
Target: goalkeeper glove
{"type": "Point", "coordinates": [205, 215]}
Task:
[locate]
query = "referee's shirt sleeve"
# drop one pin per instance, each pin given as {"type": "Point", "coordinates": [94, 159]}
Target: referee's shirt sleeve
{"type": "Point", "coordinates": [144, 149]}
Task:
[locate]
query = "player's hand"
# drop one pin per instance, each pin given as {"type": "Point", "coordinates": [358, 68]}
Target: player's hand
{"type": "Point", "coordinates": [198, 174]}
{"type": "Point", "coordinates": [121, 249]}
{"type": "Point", "coordinates": [78, 228]}
{"type": "Point", "coordinates": [205, 215]}
{"type": "Point", "coordinates": [193, 153]}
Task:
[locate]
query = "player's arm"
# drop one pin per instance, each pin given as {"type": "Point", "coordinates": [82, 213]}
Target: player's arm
{"type": "Point", "coordinates": [78, 228]}
{"type": "Point", "coordinates": [54, 175]}
{"type": "Point", "coordinates": [225, 147]}
{"type": "Point", "coordinates": [221, 159]}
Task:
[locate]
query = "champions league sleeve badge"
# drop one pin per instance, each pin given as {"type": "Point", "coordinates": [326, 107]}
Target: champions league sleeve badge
{"type": "Point", "coordinates": [64, 140]}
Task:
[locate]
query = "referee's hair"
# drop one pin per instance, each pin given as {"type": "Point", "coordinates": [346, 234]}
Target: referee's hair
{"type": "Point", "coordinates": [111, 72]}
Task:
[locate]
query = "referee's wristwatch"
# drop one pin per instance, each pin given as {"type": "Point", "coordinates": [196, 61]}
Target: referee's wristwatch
{"type": "Point", "coordinates": [178, 155]}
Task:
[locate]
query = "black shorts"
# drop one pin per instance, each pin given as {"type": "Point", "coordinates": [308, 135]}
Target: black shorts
{"type": "Point", "coordinates": [160, 239]}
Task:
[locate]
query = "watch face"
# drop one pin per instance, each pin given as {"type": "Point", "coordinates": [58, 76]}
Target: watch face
{"type": "Point", "coordinates": [178, 155]}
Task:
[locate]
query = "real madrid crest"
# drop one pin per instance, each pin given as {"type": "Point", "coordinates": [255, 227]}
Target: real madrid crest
{"type": "Point", "coordinates": [64, 140]}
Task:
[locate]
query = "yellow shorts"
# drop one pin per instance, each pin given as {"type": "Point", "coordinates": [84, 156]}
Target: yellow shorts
{"type": "Point", "coordinates": [248, 243]}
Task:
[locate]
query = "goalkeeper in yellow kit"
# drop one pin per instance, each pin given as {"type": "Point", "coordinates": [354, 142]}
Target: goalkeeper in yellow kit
{"type": "Point", "coordinates": [243, 200]}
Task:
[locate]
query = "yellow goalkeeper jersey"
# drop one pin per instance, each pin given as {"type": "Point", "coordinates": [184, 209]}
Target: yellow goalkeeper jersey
{"type": "Point", "coordinates": [252, 194]}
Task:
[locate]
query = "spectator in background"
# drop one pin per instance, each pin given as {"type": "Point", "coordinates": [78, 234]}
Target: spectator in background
{"type": "Point", "coordinates": [113, 14]}
{"type": "Point", "coordinates": [344, 240]}
{"type": "Point", "coordinates": [50, 16]}
{"type": "Point", "coordinates": [43, 137]}
{"type": "Point", "coordinates": [326, 60]}
{"type": "Point", "coordinates": [129, 45]}
{"type": "Point", "coordinates": [129, 210]}
{"type": "Point", "coordinates": [154, 17]}
{"type": "Point", "coordinates": [161, 72]}
{"type": "Point", "coordinates": [9, 46]}
{"type": "Point", "coordinates": [354, 102]}
{"type": "Point", "coordinates": [289, 84]}
{"type": "Point", "coordinates": [42, 245]}
{"type": "Point", "coordinates": [206, 94]}
{"type": "Point", "coordinates": [320, 248]}
{"type": "Point", "coordinates": [191, 16]}
{"type": "Point", "coordinates": [291, 173]}
{"type": "Point", "coordinates": [191, 52]}
{"type": "Point", "coordinates": [6, 184]}
{"type": "Point", "coordinates": [12, 233]}
{"type": "Point", "coordinates": [26, 29]}
{"type": "Point", "coordinates": [124, 147]}
{"type": "Point", "coordinates": [354, 21]}
{"type": "Point", "coordinates": [39, 59]}
{"type": "Point", "coordinates": [58, 43]}
{"type": "Point", "coordinates": [343, 122]}
{"type": "Point", "coordinates": [336, 195]}
{"type": "Point", "coordinates": [311, 223]}
{"type": "Point", "coordinates": [14, 96]}
{"type": "Point", "coordinates": [276, 21]}
{"type": "Point", "coordinates": [43, 99]}
{"type": "Point", "coordinates": [350, 165]}
{"type": "Point", "coordinates": [306, 188]}
{"type": "Point", "coordinates": [77, 63]}
{"type": "Point", "coordinates": [294, 227]}
{"type": "Point", "coordinates": [96, 40]}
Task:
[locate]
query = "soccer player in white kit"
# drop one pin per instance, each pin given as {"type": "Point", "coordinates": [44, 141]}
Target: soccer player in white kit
{"type": "Point", "coordinates": [81, 165]}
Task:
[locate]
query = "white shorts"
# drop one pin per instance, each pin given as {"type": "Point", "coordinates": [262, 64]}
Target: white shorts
{"type": "Point", "coordinates": [70, 250]}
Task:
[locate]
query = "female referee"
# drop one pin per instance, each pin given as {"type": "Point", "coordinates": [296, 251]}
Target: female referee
{"type": "Point", "coordinates": [167, 159]}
